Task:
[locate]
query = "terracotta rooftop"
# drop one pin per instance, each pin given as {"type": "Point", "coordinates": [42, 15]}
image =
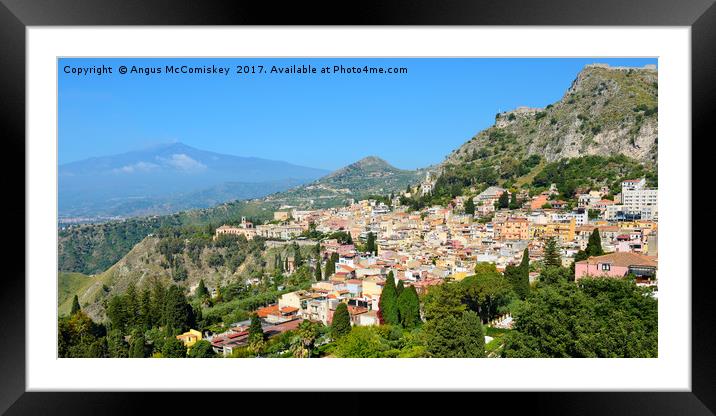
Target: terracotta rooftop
{"type": "Point", "coordinates": [622, 260]}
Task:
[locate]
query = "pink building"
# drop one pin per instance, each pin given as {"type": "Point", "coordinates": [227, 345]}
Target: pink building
{"type": "Point", "coordinates": [617, 265]}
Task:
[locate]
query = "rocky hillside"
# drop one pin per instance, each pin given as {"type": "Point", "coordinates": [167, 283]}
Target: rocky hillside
{"type": "Point", "coordinates": [184, 261]}
{"type": "Point", "coordinates": [606, 111]}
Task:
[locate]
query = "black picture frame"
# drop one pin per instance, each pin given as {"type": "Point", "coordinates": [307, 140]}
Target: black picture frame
{"type": "Point", "coordinates": [16, 15]}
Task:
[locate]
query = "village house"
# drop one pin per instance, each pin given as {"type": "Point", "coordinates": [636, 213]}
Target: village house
{"type": "Point", "coordinates": [617, 265]}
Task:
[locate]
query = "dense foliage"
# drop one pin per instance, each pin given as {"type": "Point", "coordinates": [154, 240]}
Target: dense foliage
{"type": "Point", "coordinates": [600, 317]}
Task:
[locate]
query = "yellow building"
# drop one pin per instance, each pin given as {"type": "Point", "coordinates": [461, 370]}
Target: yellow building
{"type": "Point", "coordinates": [513, 229]}
{"type": "Point", "coordinates": [563, 231]}
{"type": "Point", "coordinates": [459, 276]}
{"type": "Point", "coordinates": [190, 337]}
{"type": "Point", "coordinates": [372, 287]}
{"type": "Point", "coordinates": [281, 215]}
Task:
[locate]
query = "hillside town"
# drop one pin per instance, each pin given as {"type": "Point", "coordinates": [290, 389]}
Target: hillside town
{"type": "Point", "coordinates": [439, 244]}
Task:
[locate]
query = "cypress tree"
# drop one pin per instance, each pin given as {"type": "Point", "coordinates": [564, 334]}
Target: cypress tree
{"type": "Point", "coordinates": [75, 305]}
{"type": "Point", "coordinates": [331, 265]}
{"type": "Point", "coordinates": [513, 201]}
{"type": "Point", "coordinates": [256, 332]}
{"type": "Point", "coordinates": [341, 324]}
{"type": "Point", "coordinates": [408, 305]}
{"type": "Point", "coordinates": [503, 201]}
{"type": "Point", "coordinates": [469, 206]}
{"type": "Point", "coordinates": [523, 275]}
{"type": "Point", "coordinates": [594, 245]}
{"type": "Point", "coordinates": [297, 258]}
{"type": "Point", "coordinates": [201, 290]}
{"type": "Point", "coordinates": [399, 288]}
{"type": "Point", "coordinates": [388, 301]}
{"type": "Point", "coordinates": [317, 272]}
{"type": "Point", "coordinates": [370, 245]}
{"type": "Point", "coordinates": [551, 253]}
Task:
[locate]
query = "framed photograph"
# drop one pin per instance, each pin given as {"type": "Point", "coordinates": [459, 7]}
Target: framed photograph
{"type": "Point", "coordinates": [452, 199]}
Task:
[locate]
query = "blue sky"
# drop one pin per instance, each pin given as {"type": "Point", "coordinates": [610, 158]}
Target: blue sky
{"type": "Point", "coordinates": [325, 121]}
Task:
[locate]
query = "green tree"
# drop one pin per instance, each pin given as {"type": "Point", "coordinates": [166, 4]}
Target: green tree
{"type": "Point", "coordinates": [594, 245]}
{"type": "Point", "coordinates": [456, 336]}
{"type": "Point", "coordinates": [469, 206]}
{"type": "Point", "coordinates": [370, 245]}
{"type": "Point", "coordinates": [202, 349]}
{"type": "Point", "coordinates": [408, 305]}
{"type": "Point", "coordinates": [513, 201]}
{"type": "Point", "coordinates": [306, 335]}
{"type": "Point", "coordinates": [256, 332]}
{"type": "Point", "coordinates": [341, 324]}
{"type": "Point", "coordinates": [116, 345]}
{"type": "Point", "coordinates": [551, 253]}
{"type": "Point", "coordinates": [503, 201]}
{"type": "Point", "coordinates": [137, 345]}
{"type": "Point", "coordinates": [178, 314]}
{"type": "Point", "coordinates": [297, 257]}
{"type": "Point", "coordinates": [600, 317]}
{"type": "Point", "coordinates": [75, 305]}
{"type": "Point", "coordinates": [399, 288]}
{"type": "Point", "coordinates": [387, 303]}
{"type": "Point", "coordinates": [173, 348]}
{"type": "Point", "coordinates": [331, 265]}
{"type": "Point", "coordinates": [361, 342]}
{"type": "Point", "coordinates": [79, 336]}
{"type": "Point", "coordinates": [555, 275]}
{"type": "Point", "coordinates": [486, 291]}
{"type": "Point", "coordinates": [145, 309]}
{"type": "Point", "coordinates": [201, 290]}
{"type": "Point", "coordinates": [317, 270]}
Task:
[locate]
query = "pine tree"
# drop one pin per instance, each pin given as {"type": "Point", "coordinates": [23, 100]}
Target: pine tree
{"type": "Point", "coordinates": [350, 239]}
{"type": "Point", "coordinates": [551, 253]}
{"type": "Point", "coordinates": [137, 348]}
{"type": "Point", "coordinates": [145, 309]}
{"type": "Point", "coordinates": [399, 288]}
{"type": "Point", "coordinates": [201, 290]}
{"type": "Point", "coordinates": [178, 314]}
{"type": "Point", "coordinates": [75, 305]}
{"type": "Point", "coordinates": [469, 206]}
{"type": "Point", "coordinates": [341, 324]}
{"type": "Point", "coordinates": [388, 301]}
{"type": "Point", "coordinates": [594, 245]}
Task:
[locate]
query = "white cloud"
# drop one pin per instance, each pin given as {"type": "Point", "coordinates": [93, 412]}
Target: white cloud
{"type": "Point", "coordinates": [137, 167]}
{"type": "Point", "coordinates": [184, 163]}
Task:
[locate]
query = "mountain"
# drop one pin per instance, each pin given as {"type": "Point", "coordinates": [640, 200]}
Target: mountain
{"type": "Point", "coordinates": [368, 176]}
{"type": "Point", "coordinates": [606, 111]}
{"type": "Point", "coordinates": [168, 178]}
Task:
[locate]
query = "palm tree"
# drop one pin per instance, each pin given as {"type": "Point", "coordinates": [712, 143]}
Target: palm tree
{"type": "Point", "coordinates": [303, 344]}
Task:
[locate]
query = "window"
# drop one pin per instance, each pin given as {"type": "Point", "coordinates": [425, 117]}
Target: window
{"type": "Point", "coordinates": [605, 267]}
